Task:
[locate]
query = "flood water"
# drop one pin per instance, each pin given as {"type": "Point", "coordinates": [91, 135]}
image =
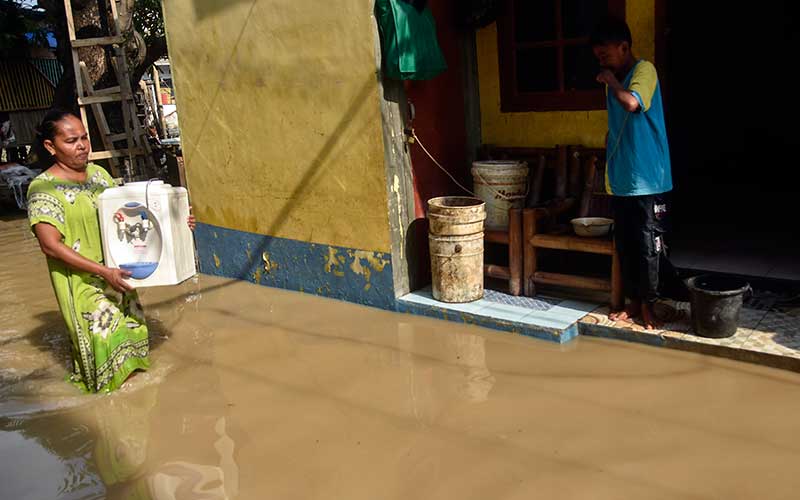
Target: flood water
{"type": "Point", "coordinates": [257, 393]}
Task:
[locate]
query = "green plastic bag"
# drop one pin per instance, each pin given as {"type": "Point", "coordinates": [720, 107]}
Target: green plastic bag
{"type": "Point", "coordinates": [410, 48]}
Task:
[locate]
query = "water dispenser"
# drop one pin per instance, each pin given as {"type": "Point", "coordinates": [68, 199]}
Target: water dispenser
{"type": "Point", "coordinates": [145, 231]}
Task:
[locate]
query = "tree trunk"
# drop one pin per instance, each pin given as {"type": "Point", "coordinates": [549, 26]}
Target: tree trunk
{"type": "Point", "coordinates": [155, 51]}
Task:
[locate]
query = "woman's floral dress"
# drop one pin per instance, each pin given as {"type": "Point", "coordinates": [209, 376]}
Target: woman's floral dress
{"type": "Point", "coordinates": [107, 329]}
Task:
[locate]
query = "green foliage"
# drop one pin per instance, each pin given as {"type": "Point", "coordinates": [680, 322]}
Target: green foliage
{"type": "Point", "coordinates": [148, 19]}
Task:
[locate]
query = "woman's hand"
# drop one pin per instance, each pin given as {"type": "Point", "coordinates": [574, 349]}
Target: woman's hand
{"type": "Point", "coordinates": [116, 278]}
{"type": "Point", "coordinates": [191, 220]}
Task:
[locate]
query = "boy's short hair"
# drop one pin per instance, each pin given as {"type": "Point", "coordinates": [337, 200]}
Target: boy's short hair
{"type": "Point", "coordinates": [610, 30]}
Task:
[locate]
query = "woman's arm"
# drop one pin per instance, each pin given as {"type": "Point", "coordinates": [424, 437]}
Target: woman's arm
{"type": "Point", "coordinates": [51, 244]}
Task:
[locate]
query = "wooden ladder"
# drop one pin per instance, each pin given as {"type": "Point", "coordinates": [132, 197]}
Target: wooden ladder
{"type": "Point", "coordinates": [136, 155]}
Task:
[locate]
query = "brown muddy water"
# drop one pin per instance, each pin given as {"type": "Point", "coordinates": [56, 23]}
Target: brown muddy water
{"type": "Point", "coordinates": [259, 393]}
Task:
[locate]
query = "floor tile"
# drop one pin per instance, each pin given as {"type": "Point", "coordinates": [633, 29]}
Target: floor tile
{"type": "Point", "coordinates": [547, 320]}
{"type": "Point", "coordinates": [737, 340]}
{"type": "Point", "coordinates": [751, 318]}
{"type": "Point", "coordinates": [748, 265]}
{"type": "Point", "coordinates": [784, 328]}
{"type": "Point", "coordinates": [790, 310]}
{"type": "Point", "coordinates": [504, 312]}
{"type": "Point", "coordinates": [765, 343]}
{"type": "Point", "coordinates": [425, 298]}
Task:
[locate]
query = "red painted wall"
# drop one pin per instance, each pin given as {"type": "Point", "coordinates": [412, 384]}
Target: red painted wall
{"type": "Point", "coordinates": [439, 121]}
{"type": "Point", "coordinates": [440, 124]}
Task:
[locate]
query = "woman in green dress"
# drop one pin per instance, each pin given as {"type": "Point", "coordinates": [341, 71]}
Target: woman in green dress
{"type": "Point", "coordinates": [101, 310]}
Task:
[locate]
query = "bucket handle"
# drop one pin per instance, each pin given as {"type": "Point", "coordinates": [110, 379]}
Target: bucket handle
{"type": "Point", "coordinates": [505, 196]}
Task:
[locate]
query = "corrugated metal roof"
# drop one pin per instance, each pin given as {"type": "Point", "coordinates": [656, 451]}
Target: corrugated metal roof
{"type": "Point", "coordinates": [22, 86]}
{"type": "Point", "coordinates": [50, 68]}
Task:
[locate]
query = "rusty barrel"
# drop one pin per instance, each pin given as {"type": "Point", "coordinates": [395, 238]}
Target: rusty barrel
{"type": "Point", "coordinates": [455, 237]}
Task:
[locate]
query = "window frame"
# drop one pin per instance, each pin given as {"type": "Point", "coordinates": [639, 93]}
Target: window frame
{"type": "Point", "coordinates": [511, 99]}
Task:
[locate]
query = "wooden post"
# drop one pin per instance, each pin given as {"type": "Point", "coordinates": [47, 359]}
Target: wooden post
{"type": "Point", "coordinates": [515, 250]}
{"type": "Point", "coordinates": [574, 172]}
{"type": "Point", "coordinates": [181, 170]}
{"type": "Point", "coordinates": [528, 251]}
{"type": "Point", "coordinates": [588, 187]}
{"type": "Point", "coordinates": [76, 66]}
{"type": "Point", "coordinates": [99, 118]}
{"type": "Point", "coordinates": [617, 293]}
{"type": "Point", "coordinates": [159, 106]}
{"type": "Point", "coordinates": [572, 281]}
{"type": "Point", "coordinates": [538, 179]}
{"type": "Point", "coordinates": [561, 173]}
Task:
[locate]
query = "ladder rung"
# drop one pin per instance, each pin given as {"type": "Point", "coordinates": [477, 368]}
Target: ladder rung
{"type": "Point", "coordinates": [85, 101]}
{"type": "Point", "coordinates": [123, 136]}
{"type": "Point", "coordinates": [110, 90]}
{"type": "Point", "coordinates": [103, 40]}
{"type": "Point", "coordinates": [117, 137]}
{"type": "Point", "coordinates": [115, 153]}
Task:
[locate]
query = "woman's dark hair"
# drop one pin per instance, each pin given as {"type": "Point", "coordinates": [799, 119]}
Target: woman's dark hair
{"type": "Point", "coordinates": [46, 131]}
{"type": "Point", "coordinates": [611, 30]}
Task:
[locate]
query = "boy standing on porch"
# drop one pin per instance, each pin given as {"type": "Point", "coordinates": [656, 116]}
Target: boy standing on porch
{"type": "Point", "coordinates": [638, 172]}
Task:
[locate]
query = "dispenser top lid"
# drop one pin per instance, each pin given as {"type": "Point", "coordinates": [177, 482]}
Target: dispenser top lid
{"type": "Point", "coordinates": [145, 183]}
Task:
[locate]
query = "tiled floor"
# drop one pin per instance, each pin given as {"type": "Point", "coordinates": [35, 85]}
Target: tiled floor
{"type": "Point", "coordinates": [548, 318]}
{"type": "Point", "coordinates": [764, 336]}
{"type": "Point", "coordinates": [768, 333]}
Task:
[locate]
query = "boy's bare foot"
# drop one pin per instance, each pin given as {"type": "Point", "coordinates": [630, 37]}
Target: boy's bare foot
{"type": "Point", "coordinates": [631, 311]}
{"type": "Point", "coordinates": [651, 321]}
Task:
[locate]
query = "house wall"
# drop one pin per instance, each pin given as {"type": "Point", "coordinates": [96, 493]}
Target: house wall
{"type": "Point", "coordinates": [281, 134]}
{"type": "Point", "coordinates": [547, 129]}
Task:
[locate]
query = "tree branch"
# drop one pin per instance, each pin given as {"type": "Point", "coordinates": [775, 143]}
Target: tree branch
{"type": "Point", "coordinates": [156, 49]}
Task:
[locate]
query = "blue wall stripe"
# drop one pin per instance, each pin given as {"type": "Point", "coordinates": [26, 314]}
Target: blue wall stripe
{"type": "Point", "coordinates": [353, 275]}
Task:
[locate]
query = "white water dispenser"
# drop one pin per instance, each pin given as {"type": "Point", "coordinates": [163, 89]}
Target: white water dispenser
{"type": "Point", "coordinates": [145, 231]}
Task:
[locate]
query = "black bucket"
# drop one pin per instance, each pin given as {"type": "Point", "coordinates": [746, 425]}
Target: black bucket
{"type": "Point", "coordinates": [716, 304]}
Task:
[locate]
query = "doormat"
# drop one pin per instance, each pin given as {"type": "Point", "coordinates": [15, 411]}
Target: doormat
{"type": "Point", "coordinates": [540, 303]}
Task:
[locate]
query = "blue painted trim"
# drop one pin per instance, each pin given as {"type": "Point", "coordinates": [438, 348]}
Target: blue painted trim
{"type": "Point", "coordinates": [359, 276]}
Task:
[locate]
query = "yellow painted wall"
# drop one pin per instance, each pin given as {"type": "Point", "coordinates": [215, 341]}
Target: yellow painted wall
{"type": "Point", "coordinates": [280, 118]}
{"type": "Point", "coordinates": [547, 129]}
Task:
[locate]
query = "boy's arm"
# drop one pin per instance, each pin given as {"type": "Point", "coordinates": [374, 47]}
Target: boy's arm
{"type": "Point", "coordinates": [628, 101]}
{"type": "Point", "coordinates": [643, 84]}
{"type": "Point", "coordinates": [639, 94]}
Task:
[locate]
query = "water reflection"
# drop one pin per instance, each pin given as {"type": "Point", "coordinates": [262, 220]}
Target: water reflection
{"type": "Point", "coordinates": [465, 376]}
{"type": "Point", "coordinates": [147, 450]}
{"type": "Point", "coordinates": [471, 355]}
{"type": "Point", "coordinates": [129, 445]}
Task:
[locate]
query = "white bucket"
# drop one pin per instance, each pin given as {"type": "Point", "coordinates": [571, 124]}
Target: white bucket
{"type": "Point", "coordinates": [503, 185]}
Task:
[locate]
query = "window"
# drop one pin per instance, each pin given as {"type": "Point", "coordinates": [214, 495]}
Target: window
{"type": "Point", "coordinates": [546, 63]}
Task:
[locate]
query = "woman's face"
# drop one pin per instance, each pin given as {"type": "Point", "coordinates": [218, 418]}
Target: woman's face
{"type": "Point", "coordinates": [71, 145]}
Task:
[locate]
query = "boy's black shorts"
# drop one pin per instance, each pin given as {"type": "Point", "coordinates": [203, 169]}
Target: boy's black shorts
{"type": "Point", "coordinates": [640, 224]}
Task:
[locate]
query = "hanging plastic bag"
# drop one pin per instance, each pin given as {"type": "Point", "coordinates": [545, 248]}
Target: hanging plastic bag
{"type": "Point", "coordinates": [408, 35]}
